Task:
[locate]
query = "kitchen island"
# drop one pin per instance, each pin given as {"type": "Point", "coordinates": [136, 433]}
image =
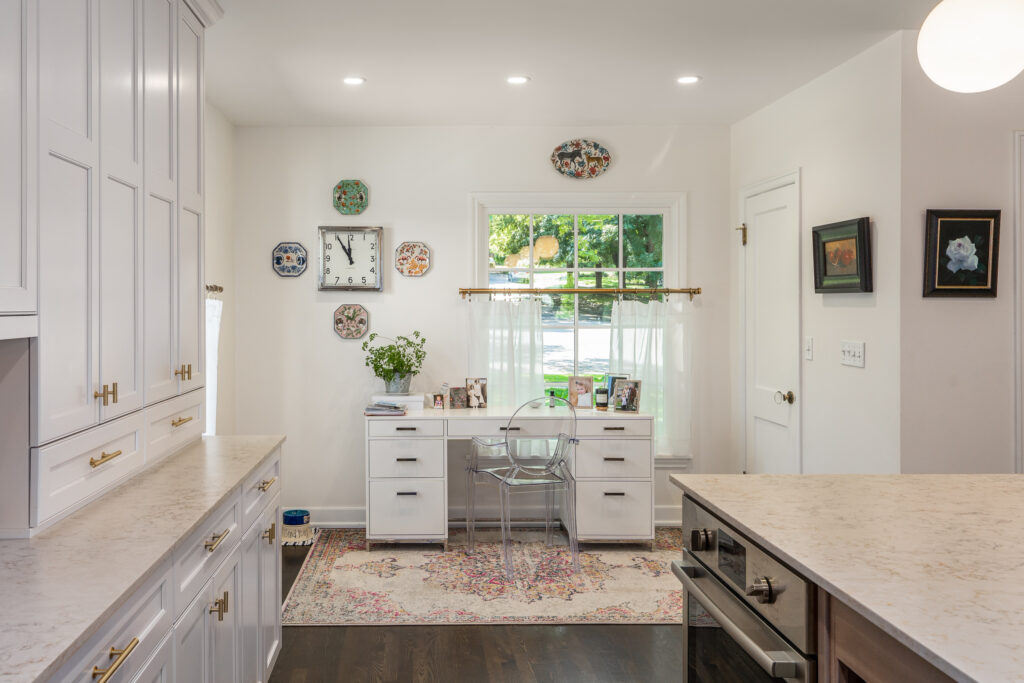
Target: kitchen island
{"type": "Point", "coordinates": [934, 561]}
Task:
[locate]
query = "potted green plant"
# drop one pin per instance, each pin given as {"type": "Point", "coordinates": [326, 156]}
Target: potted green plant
{"type": "Point", "coordinates": [397, 362]}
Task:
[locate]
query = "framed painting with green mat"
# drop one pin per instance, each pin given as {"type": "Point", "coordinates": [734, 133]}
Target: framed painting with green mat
{"type": "Point", "coordinates": [842, 256]}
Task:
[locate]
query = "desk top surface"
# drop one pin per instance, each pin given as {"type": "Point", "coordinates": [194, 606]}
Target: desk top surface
{"type": "Point", "coordinates": [505, 413]}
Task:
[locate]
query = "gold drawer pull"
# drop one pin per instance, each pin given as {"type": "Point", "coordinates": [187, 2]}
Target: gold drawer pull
{"type": "Point", "coordinates": [185, 372]}
{"type": "Point", "coordinates": [216, 540]}
{"type": "Point", "coordinates": [220, 607]}
{"type": "Point", "coordinates": [180, 421]}
{"type": "Point", "coordinates": [266, 484]}
{"type": "Point", "coordinates": [121, 656]}
{"type": "Point", "coordinates": [106, 394]}
{"type": "Point", "coordinates": [270, 533]}
{"type": "Point", "coordinates": [104, 457]}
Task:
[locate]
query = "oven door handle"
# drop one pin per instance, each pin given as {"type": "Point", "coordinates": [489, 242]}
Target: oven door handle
{"type": "Point", "coordinates": [776, 664]}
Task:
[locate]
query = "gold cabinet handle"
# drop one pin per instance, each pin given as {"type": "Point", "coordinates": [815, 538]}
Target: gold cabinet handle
{"type": "Point", "coordinates": [190, 371]}
{"type": "Point", "coordinates": [185, 372]}
{"type": "Point", "coordinates": [270, 533]}
{"type": "Point", "coordinates": [105, 394]}
{"type": "Point", "coordinates": [113, 392]}
{"type": "Point", "coordinates": [266, 484]}
{"type": "Point", "coordinates": [216, 540]}
{"type": "Point", "coordinates": [180, 372]}
{"type": "Point", "coordinates": [220, 607]}
{"type": "Point", "coordinates": [180, 421]}
{"type": "Point", "coordinates": [104, 457]}
{"type": "Point", "coordinates": [121, 656]}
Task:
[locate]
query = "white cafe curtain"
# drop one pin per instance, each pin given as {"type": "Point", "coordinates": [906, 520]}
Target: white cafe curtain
{"type": "Point", "coordinates": [214, 310]}
{"type": "Point", "coordinates": [506, 346]}
{"type": "Point", "coordinates": [651, 341]}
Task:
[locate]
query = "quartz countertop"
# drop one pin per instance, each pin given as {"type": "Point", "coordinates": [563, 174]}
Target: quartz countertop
{"type": "Point", "coordinates": [58, 588]}
{"type": "Point", "coordinates": [936, 561]}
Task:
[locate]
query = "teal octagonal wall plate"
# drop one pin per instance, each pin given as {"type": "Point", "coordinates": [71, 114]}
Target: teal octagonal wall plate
{"type": "Point", "coordinates": [351, 197]}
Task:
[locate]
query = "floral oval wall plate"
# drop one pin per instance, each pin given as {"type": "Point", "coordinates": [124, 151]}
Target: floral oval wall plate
{"type": "Point", "coordinates": [289, 259]}
{"type": "Point", "coordinates": [351, 196]}
{"type": "Point", "coordinates": [412, 259]}
{"type": "Point", "coordinates": [351, 321]}
{"type": "Point", "coordinates": [580, 158]}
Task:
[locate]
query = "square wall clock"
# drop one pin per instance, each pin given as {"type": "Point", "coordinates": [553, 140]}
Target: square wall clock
{"type": "Point", "coordinates": [350, 258]}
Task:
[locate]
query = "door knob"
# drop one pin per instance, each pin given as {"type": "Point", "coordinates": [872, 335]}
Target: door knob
{"type": "Point", "coordinates": [787, 397]}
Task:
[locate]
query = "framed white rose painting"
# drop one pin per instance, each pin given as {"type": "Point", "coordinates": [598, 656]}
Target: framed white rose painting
{"type": "Point", "coordinates": [961, 252]}
{"type": "Point", "coordinates": [842, 256]}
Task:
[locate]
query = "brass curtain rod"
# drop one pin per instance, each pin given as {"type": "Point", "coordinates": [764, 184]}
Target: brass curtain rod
{"type": "Point", "coordinates": [463, 291]}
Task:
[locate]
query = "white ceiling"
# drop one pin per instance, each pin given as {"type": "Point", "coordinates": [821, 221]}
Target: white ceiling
{"type": "Point", "coordinates": [593, 62]}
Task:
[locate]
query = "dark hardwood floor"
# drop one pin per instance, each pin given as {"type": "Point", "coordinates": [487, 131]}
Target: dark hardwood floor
{"type": "Point", "coordinates": [314, 654]}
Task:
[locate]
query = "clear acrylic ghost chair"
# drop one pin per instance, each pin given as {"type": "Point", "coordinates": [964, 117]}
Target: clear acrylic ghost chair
{"type": "Point", "coordinates": [533, 455]}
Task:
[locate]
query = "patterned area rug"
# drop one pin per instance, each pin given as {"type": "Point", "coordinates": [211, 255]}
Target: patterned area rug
{"type": "Point", "coordinates": [341, 583]}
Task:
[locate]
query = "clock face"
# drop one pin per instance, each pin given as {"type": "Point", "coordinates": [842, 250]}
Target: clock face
{"type": "Point", "coordinates": [350, 258]}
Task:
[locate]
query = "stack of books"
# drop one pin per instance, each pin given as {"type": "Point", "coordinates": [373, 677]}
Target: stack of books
{"type": "Point", "coordinates": [413, 403]}
{"type": "Point", "coordinates": [384, 408]}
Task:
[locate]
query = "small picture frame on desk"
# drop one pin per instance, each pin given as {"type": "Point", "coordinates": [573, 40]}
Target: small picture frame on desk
{"type": "Point", "coordinates": [627, 395]}
{"type": "Point", "coordinates": [476, 392]}
{"type": "Point", "coordinates": [438, 401]}
{"type": "Point", "coordinates": [581, 392]}
{"type": "Point", "coordinates": [459, 398]}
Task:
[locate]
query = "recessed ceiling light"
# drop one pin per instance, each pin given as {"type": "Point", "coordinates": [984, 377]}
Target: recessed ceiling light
{"type": "Point", "coordinates": [354, 80]}
{"type": "Point", "coordinates": [688, 80]}
{"type": "Point", "coordinates": [518, 80]}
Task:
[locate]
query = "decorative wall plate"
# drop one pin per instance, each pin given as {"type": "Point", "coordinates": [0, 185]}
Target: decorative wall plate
{"type": "Point", "coordinates": [412, 259]}
{"type": "Point", "coordinates": [351, 321]}
{"type": "Point", "coordinates": [580, 158]}
{"type": "Point", "coordinates": [351, 196]}
{"type": "Point", "coordinates": [289, 259]}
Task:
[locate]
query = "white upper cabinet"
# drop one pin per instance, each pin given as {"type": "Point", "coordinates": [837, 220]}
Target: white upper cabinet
{"type": "Point", "coordinates": [17, 158]}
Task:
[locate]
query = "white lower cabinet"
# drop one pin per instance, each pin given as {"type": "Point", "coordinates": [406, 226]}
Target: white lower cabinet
{"type": "Point", "coordinates": [160, 669]}
{"type": "Point", "coordinates": [270, 589]}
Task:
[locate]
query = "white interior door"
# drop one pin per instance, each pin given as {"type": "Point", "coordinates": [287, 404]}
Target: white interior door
{"type": "Point", "coordinates": [772, 320]}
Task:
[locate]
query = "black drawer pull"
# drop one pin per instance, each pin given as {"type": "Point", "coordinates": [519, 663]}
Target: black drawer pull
{"type": "Point", "coordinates": [408, 493]}
{"type": "Point", "coordinates": [406, 459]}
{"type": "Point", "coordinates": [614, 493]}
{"type": "Point", "coordinates": [405, 429]}
{"type": "Point", "coordinates": [614, 429]}
{"type": "Point", "coordinates": [510, 429]}
{"type": "Point", "coordinates": [614, 459]}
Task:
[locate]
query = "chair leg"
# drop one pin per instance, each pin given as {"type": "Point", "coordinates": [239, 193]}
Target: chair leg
{"type": "Point", "coordinates": [570, 505]}
{"type": "Point", "coordinates": [470, 511]}
{"type": "Point", "coordinates": [504, 494]}
{"type": "Point", "coordinates": [549, 506]}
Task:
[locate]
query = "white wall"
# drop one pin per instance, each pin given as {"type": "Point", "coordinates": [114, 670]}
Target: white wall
{"type": "Point", "coordinates": [298, 378]}
{"type": "Point", "coordinates": [957, 364]}
{"type": "Point", "coordinates": [842, 132]}
{"type": "Point", "coordinates": [220, 252]}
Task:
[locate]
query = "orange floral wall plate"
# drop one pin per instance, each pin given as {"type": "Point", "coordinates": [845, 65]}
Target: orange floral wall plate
{"type": "Point", "coordinates": [412, 259]}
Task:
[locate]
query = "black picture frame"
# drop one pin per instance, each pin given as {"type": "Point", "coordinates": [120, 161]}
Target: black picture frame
{"type": "Point", "coordinates": [846, 266]}
{"type": "Point", "coordinates": [967, 269]}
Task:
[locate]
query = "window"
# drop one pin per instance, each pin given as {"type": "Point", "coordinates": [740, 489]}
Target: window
{"type": "Point", "coordinates": [576, 250]}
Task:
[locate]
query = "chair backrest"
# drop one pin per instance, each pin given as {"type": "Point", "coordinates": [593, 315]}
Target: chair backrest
{"type": "Point", "coordinates": [540, 434]}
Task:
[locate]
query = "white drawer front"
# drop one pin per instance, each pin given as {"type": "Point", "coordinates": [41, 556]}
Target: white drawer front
{"type": "Point", "coordinates": [637, 426]}
{"type": "Point", "coordinates": [614, 509]}
{"type": "Point", "coordinates": [404, 427]}
{"type": "Point", "coordinates": [407, 458]}
{"type": "Point", "coordinates": [172, 424]}
{"type": "Point", "coordinates": [407, 507]}
{"type": "Point", "coordinates": [498, 427]}
{"type": "Point", "coordinates": [72, 470]}
{"type": "Point", "coordinates": [260, 488]}
{"type": "Point", "coordinates": [197, 557]}
{"type": "Point", "coordinates": [613, 459]}
{"type": "Point", "coordinates": [146, 615]}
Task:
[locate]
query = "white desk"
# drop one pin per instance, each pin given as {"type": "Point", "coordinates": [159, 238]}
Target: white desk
{"type": "Point", "coordinates": [407, 471]}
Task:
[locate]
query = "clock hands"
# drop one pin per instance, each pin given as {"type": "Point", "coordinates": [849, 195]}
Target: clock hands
{"type": "Point", "coordinates": [347, 250]}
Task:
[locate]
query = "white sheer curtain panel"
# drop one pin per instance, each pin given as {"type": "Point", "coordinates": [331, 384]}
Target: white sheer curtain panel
{"type": "Point", "coordinates": [506, 346]}
{"type": "Point", "coordinates": [651, 342]}
{"type": "Point", "coordinates": [214, 309]}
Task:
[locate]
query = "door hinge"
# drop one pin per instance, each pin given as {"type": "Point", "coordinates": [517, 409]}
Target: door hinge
{"type": "Point", "coordinates": [743, 227]}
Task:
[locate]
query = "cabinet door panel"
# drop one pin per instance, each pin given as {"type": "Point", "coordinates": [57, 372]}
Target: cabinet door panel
{"type": "Point", "coordinates": [192, 641]}
{"type": "Point", "coordinates": [249, 604]}
{"type": "Point", "coordinates": [192, 312]}
{"type": "Point", "coordinates": [190, 110]}
{"type": "Point", "coordinates": [120, 92]}
{"type": "Point", "coordinates": [159, 262]}
{"type": "Point", "coordinates": [160, 669]}
{"type": "Point", "coordinates": [270, 588]}
{"type": "Point", "coordinates": [226, 633]}
{"type": "Point", "coordinates": [66, 67]}
{"type": "Point", "coordinates": [160, 83]}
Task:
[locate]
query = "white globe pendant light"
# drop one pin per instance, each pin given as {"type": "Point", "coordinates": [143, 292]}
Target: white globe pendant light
{"type": "Point", "coordinates": [972, 45]}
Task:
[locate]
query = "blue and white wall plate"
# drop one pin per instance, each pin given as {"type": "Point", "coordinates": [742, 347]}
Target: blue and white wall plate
{"type": "Point", "coordinates": [289, 259]}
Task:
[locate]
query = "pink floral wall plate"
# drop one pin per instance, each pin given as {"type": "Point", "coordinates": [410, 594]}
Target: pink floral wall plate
{"type": "Point", "coordinates": [412, 259]}
{"type": "Point", "coordinates": [351, 321]}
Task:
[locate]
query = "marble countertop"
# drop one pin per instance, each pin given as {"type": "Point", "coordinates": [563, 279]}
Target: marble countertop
{"type": "Point", "coordinates": [936, 561]}
{"type": "Point", "coordinates": [57, 588]}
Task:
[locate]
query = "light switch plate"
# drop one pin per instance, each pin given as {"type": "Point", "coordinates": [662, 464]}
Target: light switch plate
{"type": "Point", "coordinates": [808, 348]}
{"type": "Point", "coordinates": [851, 353]}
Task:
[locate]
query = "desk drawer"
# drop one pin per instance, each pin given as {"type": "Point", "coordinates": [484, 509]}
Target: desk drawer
{"type": "Point", "coordinates": [496, 427]}
{"type": "Point", "coordinates": [613, 459]}
{"type": "Point", "coordinates": [403, 427]}
{"type": "Point", "coordinates": [407, 458]}
{"type": "Point", "coordinates": [147, 615]}
{"type": "Point", "coordinates": [614, 509]}
{"type": "Point", "coordinates": [401, 508]}
{"type": "Point", "coordinates": [68, 472]}
{"type": "Point", "coordinates": [173, 423]}
{"type": "Point", "coordinates": [260, 488]}
{"type": "Point", "coordinates": [197, 557]}
{"type": "Point", "coordinates": [614, 427]}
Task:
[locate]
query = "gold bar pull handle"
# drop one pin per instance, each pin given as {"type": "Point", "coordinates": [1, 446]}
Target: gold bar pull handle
{"type": "Point", "coordinates": [220, 607]}
{"type": "Point", "coordinates": [181, 372]}
{"type": "Point", "coordinates": [215, 540]}
{"type": "Point", "coordinates": [266, 484]}
{"type": "Point", "coordinates": [180, 421]}
{"type": "Point", "coordinates": [270, 533]}
{"type": "Point", "coordinates": [119, 657]}
{"type": "Point", "coordinates": [113, 392]}
{"type": "Point", "coordinates": [104, 457]}
{"type": "Point", "coordinates": [105, 394]}
{"type": "Point", "coordinates": [190, 371]}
